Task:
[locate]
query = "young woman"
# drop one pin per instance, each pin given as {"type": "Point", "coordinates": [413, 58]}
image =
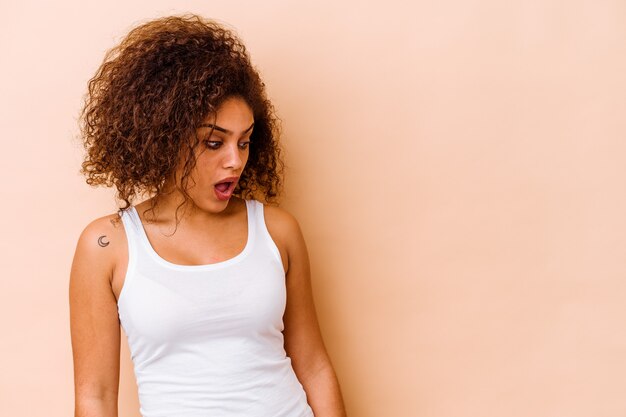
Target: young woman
{"type": "Point", "coordinates": [211, 286]}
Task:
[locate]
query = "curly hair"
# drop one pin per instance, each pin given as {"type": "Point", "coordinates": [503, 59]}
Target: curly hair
{"type": "Point", "coordinates": [152, 90]}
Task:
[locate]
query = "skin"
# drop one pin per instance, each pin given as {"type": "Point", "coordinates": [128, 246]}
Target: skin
{"type": "Point", "coordinates": [101, 258]}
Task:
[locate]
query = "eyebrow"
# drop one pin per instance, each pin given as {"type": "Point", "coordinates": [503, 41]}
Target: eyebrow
{"type": "Point", "coordinates": [221, 129]}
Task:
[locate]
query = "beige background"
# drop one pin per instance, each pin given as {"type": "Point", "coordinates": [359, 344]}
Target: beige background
{"type": "Point", "coordinates": [458, 169]}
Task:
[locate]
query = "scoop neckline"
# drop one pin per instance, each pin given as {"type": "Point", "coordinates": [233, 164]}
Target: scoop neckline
{"type": "Point", "coordinates": [237, 258]}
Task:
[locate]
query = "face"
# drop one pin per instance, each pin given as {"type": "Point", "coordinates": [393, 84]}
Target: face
{"type": "Point", "coordinates": [221, 155]}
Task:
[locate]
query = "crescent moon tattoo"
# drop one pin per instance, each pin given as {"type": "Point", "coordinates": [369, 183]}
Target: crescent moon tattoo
{"type": "Point", "coordinates": [101, 241]}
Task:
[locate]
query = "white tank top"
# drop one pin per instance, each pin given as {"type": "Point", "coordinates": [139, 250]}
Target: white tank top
{"type": "Point", "coordinates": [206, 340]}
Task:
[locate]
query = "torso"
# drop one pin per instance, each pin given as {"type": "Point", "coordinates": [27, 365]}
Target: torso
{"type": "Point", "coordinates": [187, 246]}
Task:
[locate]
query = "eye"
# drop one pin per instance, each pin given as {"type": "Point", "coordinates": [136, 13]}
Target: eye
{"type": "Point", "coordinates": [212, 144]}
{"type": "Point", "coordinates": [244, 145]}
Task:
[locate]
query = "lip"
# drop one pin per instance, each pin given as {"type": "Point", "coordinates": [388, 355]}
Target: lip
{"type": "Point", "coordinates": [225, 195]}
{"type": "Point", "coordinates": [227, 179]}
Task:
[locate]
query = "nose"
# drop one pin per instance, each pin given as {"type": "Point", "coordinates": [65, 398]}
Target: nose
{"type": "Point", "coordinates": [232, 158]}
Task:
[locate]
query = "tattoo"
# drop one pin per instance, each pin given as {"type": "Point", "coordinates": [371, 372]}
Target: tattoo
{"type": "Point", "coordinates": [101, 242]}
{"type": "Point", "coordinates": [115, 221]}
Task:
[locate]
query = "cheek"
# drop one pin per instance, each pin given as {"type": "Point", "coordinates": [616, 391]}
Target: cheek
{"type": "Point", "coordinates": [205, 169]}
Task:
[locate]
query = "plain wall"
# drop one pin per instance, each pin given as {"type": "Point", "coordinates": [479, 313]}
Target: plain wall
{"type": "Point", "coordinates": [458, 169]}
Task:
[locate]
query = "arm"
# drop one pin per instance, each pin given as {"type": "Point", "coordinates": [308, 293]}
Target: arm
{"type": "Point", "coordinates": [303, 339]}
{"type": "Point", "coordinates": [94, 325]}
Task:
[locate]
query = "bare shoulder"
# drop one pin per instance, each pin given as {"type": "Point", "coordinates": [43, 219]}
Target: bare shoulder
{"type": "Point", "coordinates": [100, 243]}
{"type": "Point", "coordinates": [104, 232]}
{"type": "Point", "coordinates": [280, 221]}
{"type": "Point", "coordinates": [286, 232]}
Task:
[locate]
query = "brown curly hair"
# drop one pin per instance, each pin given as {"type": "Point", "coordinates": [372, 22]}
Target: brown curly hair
{"type": "Point", "coordinates": [152, 90]}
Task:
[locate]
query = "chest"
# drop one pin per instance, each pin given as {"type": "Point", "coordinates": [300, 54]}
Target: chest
{"type": "Point", "coordinates": [193, 248]}
{"type": "Point", "coordinates": [185, 247]}
{"type": "Point", "coordinates": [164, 305]}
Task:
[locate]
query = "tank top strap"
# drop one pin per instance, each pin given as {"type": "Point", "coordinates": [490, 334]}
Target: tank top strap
{"type": "Point", "coordinates": [132, 226]}
{"type": "Point", "coordinates": [263, 235]}
{"type": "Point", "coordinates": [133, 246]}
{"type": "Point", "coordinates": [252, 216]}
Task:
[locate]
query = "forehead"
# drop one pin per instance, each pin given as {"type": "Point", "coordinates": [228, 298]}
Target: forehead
{"type": "Point", "coordinates": [233, 114]}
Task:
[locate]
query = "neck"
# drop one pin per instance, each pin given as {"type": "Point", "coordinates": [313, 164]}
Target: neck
{"type": "Point", "coordinates": [166, 204]}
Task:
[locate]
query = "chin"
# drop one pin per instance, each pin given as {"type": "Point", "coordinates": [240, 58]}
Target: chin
{"type": "Point", "coordinates": [209, 205]}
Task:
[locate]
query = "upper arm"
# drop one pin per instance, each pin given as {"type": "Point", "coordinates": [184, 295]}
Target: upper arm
{"type": "Point", "coordinates": [94, 323]}
{"type": "Point", "coordinates": [303, 339]}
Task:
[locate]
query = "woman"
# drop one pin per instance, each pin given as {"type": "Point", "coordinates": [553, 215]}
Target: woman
{"type": "Point", "coordinates": [211, 286]}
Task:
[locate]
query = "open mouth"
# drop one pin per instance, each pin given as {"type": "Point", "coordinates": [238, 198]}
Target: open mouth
{"type": "Point", "coordinates": [224, 190]}
{"type": "Point", "coordinates": [224, 186]}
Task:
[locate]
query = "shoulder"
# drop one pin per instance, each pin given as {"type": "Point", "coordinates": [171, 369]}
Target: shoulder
{"type": "Point", "coordinates": [280, 220]}
{"type": "Point", "coordinates": [101, 242]}
{"type": "Point", "coordinates": [99, 231]}
{"type": "Point", "coordinates": [285, 230]}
